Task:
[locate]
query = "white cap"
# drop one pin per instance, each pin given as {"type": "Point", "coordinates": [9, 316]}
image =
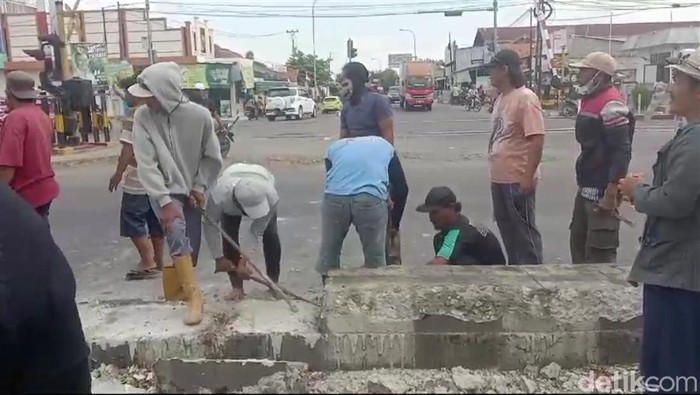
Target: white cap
{"type": "Point", "coordinates": [689, 65]}
{"type": "Point", "coordinates": [199, 86]}
{"type": "Point", "coordinates": [252, 195]}
{"type": "Point", "coordinates": [140, 90]}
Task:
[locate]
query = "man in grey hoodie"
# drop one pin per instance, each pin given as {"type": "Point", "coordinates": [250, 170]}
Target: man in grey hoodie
{"type": "Point", "coordinates": [179, 159]}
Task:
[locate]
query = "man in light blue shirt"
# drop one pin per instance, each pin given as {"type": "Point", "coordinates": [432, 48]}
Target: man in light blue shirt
{"type": "Point", "coordinates": [356, 192]}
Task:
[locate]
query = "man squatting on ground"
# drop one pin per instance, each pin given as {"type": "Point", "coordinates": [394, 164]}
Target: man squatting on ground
{"type": "Point", "coordinates": [667, 263]}
{"type": "Point", "coordinates": [604, 129]}
{"type": "Point", "coordinates": [243, 190]}
{"type": "Point", "coordinates": [515, 152]}
{"type": "Point", "coordinates": [178, 161]}
{"type": "Point", "coordinates": [458, 242]}
{"type": "Point", "coordinates": [368, 114]}
{"type": "Point", "coordinates": [356, 192]}
{"type": "Point", "coordinates": [137, 221]}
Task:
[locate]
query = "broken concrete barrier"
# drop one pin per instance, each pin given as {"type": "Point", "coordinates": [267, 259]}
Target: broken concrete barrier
{"type": "Point", "coordinates": [504, 318]}
{"type": "Point", "coordinates": [142, 333]}
{"type": "Point", "coordinates": [481, 317]}
{"type": "Point", "coordinates": [222, 376]}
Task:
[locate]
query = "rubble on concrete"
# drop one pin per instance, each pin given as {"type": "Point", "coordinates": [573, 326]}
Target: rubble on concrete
{"type": "Point", "coordinates": [388, 381]}
{"type": "Point", "coordinates": [440, 381]}
{"type": "Point", "coordinates": [108, 379]}
{"type": "Point", "coordinates": [551, 371]}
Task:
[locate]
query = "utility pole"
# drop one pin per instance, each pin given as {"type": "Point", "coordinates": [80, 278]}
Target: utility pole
{"type": "Point", "coordinates": [313, 34]}
{"type": "Point", "coordinates": [495, 26]}
{"type": "Point", "coordinates": [149, 33]}
{"type": "Point", "coordinates": [104, 33]}
{"type": "Point", "coordinates": [293, 36]}
{"type": "Point", "coordinates": [61, 31]}
{"type": "Point", "coordinates": [610, 35]}
{"type": "Point", "coordinates": [449, 46]}
{"type": "Point", "coordinates": [538, 48]}
{"type": "Point", "coordinates": [529, 61]}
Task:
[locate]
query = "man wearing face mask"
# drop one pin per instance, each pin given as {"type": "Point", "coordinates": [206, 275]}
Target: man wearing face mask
{"type": "Point", "coordinates": [604, 130]}
{"type": "Point", "coordinates": [369, 114]}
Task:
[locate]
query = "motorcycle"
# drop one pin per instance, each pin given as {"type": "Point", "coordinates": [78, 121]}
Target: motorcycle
{"type": "Point", "coordinates": [569, 107]}
{"type": "Point", "coordinates": [226, 136]}
{"type": "Point", "coordinates": [473, 104]}
{"type": "Point", "coordinates": [252, 110]}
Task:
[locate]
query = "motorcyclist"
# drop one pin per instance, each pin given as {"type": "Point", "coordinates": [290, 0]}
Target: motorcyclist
{"type": "Point", "coordinates": [252, 105]}
{"type": "Point", "coordinates": [471, 96]}
{"type": "Point", "coordinates": [200, 97]}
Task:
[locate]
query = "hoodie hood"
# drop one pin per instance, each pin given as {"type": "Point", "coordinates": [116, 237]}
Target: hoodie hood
{"type": "Point", "coordinates": [164, 80]}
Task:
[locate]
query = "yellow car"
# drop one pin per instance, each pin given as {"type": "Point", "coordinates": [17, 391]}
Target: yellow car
{"type": "Point", "coordinates": [331, 104]}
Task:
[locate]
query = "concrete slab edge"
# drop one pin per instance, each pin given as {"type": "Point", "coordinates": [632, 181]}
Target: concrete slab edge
{"type": "Point", "coordinates": [329, 352]}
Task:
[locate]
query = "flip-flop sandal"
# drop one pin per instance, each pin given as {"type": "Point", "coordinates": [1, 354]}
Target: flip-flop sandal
{"type": "Point", "coordinates": [141, 274]}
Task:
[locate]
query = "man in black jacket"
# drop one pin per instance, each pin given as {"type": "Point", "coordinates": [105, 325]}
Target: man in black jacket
{"type": "Point", "coordinates": [604, 129]}
{"type": "Point", "coordinates": [42, 345]}
{"type": "Point", "coordinates": [458, 242]}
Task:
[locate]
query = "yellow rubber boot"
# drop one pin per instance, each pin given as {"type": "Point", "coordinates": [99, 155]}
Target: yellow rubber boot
{"type": "Point", "coordinates": [172, 288]}
{"type": "Point", "coordinates": [193, 295]}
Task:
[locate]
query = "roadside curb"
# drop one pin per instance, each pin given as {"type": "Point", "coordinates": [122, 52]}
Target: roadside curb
{"type": "Point", "coordinates": [66, 161]}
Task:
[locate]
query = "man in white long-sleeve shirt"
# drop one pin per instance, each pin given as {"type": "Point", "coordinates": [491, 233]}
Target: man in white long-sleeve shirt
{"type": "Point", "coordinates": [243, 190]}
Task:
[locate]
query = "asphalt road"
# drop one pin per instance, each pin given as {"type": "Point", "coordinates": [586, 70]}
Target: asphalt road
{"type": "Point", "coordinates": [444, 147]}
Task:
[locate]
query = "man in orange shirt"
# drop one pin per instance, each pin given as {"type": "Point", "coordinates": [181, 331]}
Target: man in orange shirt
{"type": "Point", "coordinates": [515, 151]}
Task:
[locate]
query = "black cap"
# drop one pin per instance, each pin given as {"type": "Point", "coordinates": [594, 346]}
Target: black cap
{"type": "Point", "coordinates": [505, 57]}
{"type": "Point", "coordinates": [438, 197]}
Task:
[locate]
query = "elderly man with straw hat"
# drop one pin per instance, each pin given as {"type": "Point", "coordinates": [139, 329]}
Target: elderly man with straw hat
{"type": "Point", "coordinates": [604, 129]}
{"type": "Point", "coordinates": [668, 262]}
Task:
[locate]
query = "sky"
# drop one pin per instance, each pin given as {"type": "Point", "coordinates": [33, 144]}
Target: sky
{"type": "Point", "coordinates": [376, 37]}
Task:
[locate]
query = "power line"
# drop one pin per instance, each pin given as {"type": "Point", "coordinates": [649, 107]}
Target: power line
{"type": "Point", "coordinates": [241, 14]}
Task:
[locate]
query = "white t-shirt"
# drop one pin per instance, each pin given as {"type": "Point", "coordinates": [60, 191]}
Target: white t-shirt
{"type": "Point", "coordinates": [131, 183]}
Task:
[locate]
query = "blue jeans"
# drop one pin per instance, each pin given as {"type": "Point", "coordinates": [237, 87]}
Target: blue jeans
{"type": "Point", "coordinates": [184, 235]}
{"type": "Point", "coordinates": [368, 213]}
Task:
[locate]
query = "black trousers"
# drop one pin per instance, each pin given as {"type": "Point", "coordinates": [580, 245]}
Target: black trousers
{"type": "Point", "coordinates": [398, 190]}
{"type": "Point", "coordinates": [272, 247]}
{"type": "Point", "coordinates": [515, 216]}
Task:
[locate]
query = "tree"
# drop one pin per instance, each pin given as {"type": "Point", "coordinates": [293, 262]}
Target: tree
{"type": "Point", "coordinates": [387, 78]}
{"type": "Point", "coordinates": [305, 64]}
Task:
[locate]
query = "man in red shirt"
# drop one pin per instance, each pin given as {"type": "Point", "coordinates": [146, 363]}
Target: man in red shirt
{"type": "Point", "coordinates": [25, 145]}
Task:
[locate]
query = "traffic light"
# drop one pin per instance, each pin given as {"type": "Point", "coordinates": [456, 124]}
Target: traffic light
{"type": "Point", "coordinates": [352, 51]}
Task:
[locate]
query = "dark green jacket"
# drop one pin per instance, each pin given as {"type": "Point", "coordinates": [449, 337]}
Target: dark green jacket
{"type": "Point", "coordinates": [670, 251]}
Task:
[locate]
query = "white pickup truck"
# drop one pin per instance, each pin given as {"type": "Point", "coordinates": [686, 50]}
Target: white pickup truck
{"type": "Point", "coordinates": [289, 102]}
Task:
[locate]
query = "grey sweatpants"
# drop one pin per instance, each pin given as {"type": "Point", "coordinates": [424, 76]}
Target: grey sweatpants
{"type": "Point", "coordinates": [368, 213]}
{"type": "Point", "coordinates": [515, 216]}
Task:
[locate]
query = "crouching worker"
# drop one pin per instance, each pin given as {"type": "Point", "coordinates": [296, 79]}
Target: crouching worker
{"type": "Point", "coordinates": [356, 192]}
{"type": "Point", "coordinates": [178, 161]}
{"type": "Point", "coordinates": [459, 242]}
{"type": "Point", "coordinates": [243, 190]}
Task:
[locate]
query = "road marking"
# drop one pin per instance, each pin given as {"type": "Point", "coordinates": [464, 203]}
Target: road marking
{"type": "Point", "coordinates": [448, 133]}
{"type": "Point", "coordinates": [446, 120]}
